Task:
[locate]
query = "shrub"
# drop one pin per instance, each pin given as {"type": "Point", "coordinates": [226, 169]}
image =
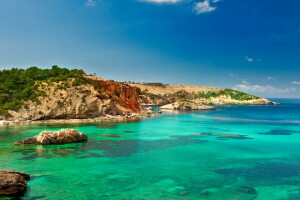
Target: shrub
{"type": "Point", "coordinates": [156, 84]}
{"type": "Point", "coordinates": [20, 85]}
{"type": "Point", "coordinates": [234, 94]}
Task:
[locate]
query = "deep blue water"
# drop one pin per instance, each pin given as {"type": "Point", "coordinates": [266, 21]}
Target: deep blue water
{"type": "Point", "coordinates": [236, 152]}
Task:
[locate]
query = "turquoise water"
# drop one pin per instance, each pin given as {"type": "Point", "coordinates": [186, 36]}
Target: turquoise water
{"type": "Point", "coordinates": [237, 152]}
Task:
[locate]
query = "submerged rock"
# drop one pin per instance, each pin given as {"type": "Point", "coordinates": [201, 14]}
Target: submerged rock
{"type": "Point", "coordinates": [111, 135]}
{"type": "Point", "coordinates": [246, 190]}
{"type": "Point", "coordinates": [55, 137]}
{"type": "Point", "coordinates": [224, 136]}
{"type": "Point", "coordinates": [13, 183]}
{"type": "Point", "coordinates": [204, 192]}
{"type": "Point", "coordinates": [185, 192]}
{"type": "Point", "coordinates": [279, 132]}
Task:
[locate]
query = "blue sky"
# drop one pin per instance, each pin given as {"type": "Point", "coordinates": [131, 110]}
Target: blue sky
{"type": "Point", "coordinates": [250, 45]}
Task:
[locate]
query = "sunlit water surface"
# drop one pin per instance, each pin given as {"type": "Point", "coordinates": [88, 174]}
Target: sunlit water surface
{"type": "Point", "coordinates": [237, 152]}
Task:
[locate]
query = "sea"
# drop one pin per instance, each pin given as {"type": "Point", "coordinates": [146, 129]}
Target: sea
{"type": "Point", "coordinates": [233, 153]}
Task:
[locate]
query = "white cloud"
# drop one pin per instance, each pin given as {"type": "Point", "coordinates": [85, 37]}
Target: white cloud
{"type": "Point", "coordinates": [271, 78]}
{"type": "Point", "coordinates": [249, 59]}
{"type": "Point", "coordinates": [90, 3]}
{"type": "Point", "coordinates": [245, 82]}
{"type": "Point", "coordinates": [233, 75]}
{"type": "Point", "coordinates": [262, 88]}
{"type": "Point", "coordinates": [205, 6]}
{"type": "Point", "coordinates": [163, 1]}
{"type": "Point", "coordinates": [296, 82]}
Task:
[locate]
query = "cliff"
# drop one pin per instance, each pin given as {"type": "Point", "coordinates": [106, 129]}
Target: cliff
{"type": "Point", "coordinates": [93, 98]}
{"type": "Point", "coordinates": [58, 93]}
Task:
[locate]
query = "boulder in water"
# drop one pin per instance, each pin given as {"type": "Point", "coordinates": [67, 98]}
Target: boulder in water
{"type": "Point", "coordinates": [13, 183]}
{"type": "Point", "coordinates": [62, 136]}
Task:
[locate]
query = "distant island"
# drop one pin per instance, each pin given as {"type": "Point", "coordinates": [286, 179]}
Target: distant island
{"type": "Point", "coordinates": [64, 95]}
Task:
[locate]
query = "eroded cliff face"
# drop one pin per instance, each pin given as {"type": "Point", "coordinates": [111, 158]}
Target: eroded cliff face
{"type": "Point", "coordinates": [123, 95]}
{"type": "Point", "coordinates": [96, 98]}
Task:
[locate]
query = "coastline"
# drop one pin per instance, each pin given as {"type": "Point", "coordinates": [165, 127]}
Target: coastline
{"type": "Point", "coordinates": [107, 118]}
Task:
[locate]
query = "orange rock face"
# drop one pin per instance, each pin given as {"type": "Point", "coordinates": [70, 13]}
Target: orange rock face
{"type": "Point", "coordinates": [123, 94]}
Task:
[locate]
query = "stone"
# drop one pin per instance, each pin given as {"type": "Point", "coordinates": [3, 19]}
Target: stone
{"type": "Point", "coordinates": [62, 136]}
{"type": "Point", "coordinates": [13, 183]}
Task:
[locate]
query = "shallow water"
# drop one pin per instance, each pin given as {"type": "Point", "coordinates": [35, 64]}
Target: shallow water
{"type": "Point", "coordinates": [237, 152]}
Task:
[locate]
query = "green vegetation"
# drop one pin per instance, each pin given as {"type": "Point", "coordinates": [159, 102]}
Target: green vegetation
{"type": "Point", "coordinates": [181, 94]}
{"type": "Point", "coordinates": [156, 84]}
{"type": "Point", "coordinates": [97, 85]}
{"type": "Point", "coordinates": [237, 95]}
{"type": "Point", "coordinates": [138, 91]}
{"type": "Point", "coordinates": [20, 85]}
{"type": "Point", "coordinates": [154, 96]}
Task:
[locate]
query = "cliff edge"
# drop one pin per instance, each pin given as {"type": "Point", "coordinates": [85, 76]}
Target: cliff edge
{"type": "Point", "coordinates": [75, 95]}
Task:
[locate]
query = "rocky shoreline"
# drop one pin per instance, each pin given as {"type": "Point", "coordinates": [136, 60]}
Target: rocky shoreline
{"type": "Point", "coordinates": [197, 105]}
{"type": "Point", "coordinates": [107, 118]}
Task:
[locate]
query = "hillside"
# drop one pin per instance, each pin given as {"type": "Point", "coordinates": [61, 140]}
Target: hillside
{"type": "Point", "coordinates": [161, 94]}
{"type": "Point", "coordinates": [59, 93]}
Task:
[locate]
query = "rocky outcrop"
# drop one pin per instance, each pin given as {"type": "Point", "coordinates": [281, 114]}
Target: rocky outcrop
{"type": "Point", "coordinates": [96, 98]}
{"type": "Point", "coordinates": [187, 105]}
{"type": "Point", "coordinates": [13, 183]}
{"type": "Point", "coordinates": [167, 94]}
{"type": "Point", "coordinates": [55, 137]}
{"type": "Point", "coordinates": [227, 100]}
{"type": "Point", "coordinates": [123, 96]}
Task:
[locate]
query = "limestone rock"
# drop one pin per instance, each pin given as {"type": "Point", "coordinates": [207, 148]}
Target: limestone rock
{"type": "Point", "coordinates": [55, 137]}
